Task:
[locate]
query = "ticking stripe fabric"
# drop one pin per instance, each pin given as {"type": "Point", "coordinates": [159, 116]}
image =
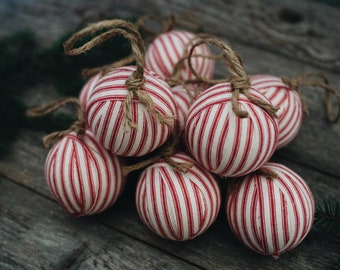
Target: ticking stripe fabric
{"type": "Point", "coordinates": [183, 102]}
{"type": "Point", "coordinates": [175, 205]}
{"type": "Point", "coordinates": [87, 89]}
{"type": "Point", "coordinates": [168, 48]}
{"type": "Point", "coordinates": [82, 176]}
{"type": "Point", "coordinates": [271, 216]}
{"type": "Point", "coordinates": [290, 114]}
{"type": "Point", "coordinates": [224, 143]}
{"type": "Point", "coordinates": [105, 113]}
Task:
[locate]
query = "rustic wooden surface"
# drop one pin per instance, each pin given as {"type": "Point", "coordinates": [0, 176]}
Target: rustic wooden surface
{"type": "Point", "coordinates": [283, 38]}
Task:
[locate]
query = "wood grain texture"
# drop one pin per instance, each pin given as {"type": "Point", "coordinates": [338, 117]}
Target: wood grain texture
{"type": "Point", "coordinates": [317, 141]}
{"type": "Point", "coordinates": [282, 38]}
{"type": "Point", "coordinates": [208, 251]}
{"type": "Point", "coordinates": [306, 31]}
{"type": "Point", "coordinates": [38, 235]}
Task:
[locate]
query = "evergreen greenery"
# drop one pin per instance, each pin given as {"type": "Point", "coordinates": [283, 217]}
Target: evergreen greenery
{"type": "Point", "coordinates": [24, 63]}
{"type": "Point", "coordinates": [327, 217]}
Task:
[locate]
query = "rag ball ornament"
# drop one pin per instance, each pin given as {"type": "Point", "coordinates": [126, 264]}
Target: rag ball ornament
{"type": "Point", "coordinates": [231, 128]}
{"type": "Point", "coordinates": [177, 205]}
{"type": "Point", "coordinates": [107, 107]}
{"type": "Point", "coordinates": [290, 114]}
{"type": "Point", "coordinates": [183, 102]}
{"type": "Point", "coordinates": [166, 56]}
{"type": "Point", "coordinates": [130, 110]}
{"type": "Point", "coordinates": [82, 176]}
{"type": "Point", "coordinates": [270, 214]}
{"type": "Point", "coordinates": [87, 89]}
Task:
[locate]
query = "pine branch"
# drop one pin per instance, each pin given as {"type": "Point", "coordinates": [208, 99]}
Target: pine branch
{"type": "Point", "coordinates": [327, 217]}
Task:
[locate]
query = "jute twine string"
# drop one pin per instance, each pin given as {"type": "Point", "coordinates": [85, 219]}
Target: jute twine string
{"type": "Point", "coordinates": [239, 80]}
{"type": "Point", "coordinates": [185, 55]}
{"type": "Point", "coordinates": [78, 125]}
{"type": "Point", "coordinates": [113, 28]}
{"type": "Point", "coordinates": [166, 152]}
{"type": "Point", "coordinates": [316, 80]}
{"type": "Point", "coordinates": [166, 25]}
{"type": "Point", "coordinates": [174, 79]}
{"type": "Point", "coordinates": [136, 80]}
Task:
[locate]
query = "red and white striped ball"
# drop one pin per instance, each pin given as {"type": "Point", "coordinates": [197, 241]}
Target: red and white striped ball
{"type": "Point", "coordinates": [224, 143]}
{"type": "Point", "coordinates": [290, 114]}
{"type": "Point", "coordinates": [175, 205]}
{"type": "Point", "coordinates": [271, 216]}
{"type": "Point", "coordinates": [168, 48]}
{"type": "Point", "coordinates": [105, 113]}
{"type": "Point", "coordinates": [183, 102]}
{"type": "Point", "coordinates": [87, 89]}
{"type": "Point", "coordinates": [82, 176]}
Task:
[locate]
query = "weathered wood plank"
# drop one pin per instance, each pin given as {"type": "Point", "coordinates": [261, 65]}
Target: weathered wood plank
{"type": "Point", "coordinates": [265, 39]}
{"type": "Point", "coordinates": [36, 234]}
{"type": "Point", "coordinates": [215, 249]}
{"type": "Point", "coordinates": [306, 31]}
{"type": "Point", "coordinates": [317, 142]}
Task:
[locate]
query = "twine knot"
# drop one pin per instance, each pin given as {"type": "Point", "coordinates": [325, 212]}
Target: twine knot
{"type": "Point", "coordinates": [136, 81]}
{"type": "Point", "coordinates": [240, 83]}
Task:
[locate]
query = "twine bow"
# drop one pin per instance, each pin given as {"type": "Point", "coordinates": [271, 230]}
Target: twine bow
{"type": "Point", "coordinates": [78, 125]}
{"type": "Point", "coordinates": [239, 80]}
{"type": "Point", "coordinates": [135, 82]}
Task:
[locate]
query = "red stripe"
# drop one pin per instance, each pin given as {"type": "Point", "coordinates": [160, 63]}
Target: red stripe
{"type": "Point", "coordinates": [68, 203]}
{"type": "Point", "coordinates": [273, 218]}
{"type": "Point", "coordinates": [75, 167]}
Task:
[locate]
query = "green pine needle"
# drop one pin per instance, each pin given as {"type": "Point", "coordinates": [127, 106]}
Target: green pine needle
{"type": "Point", "coordinates": [327, 217]}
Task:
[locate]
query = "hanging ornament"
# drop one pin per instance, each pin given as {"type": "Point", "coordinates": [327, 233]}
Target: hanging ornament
{"type": "Point", "coordinates": [81, 175]}
{"type": "Point", "coordinates": [231, 128]}
{"type": "Point", "coordinates": [167, 53]}
{"type": "Point", "coordinates": [177, 205]}
{"type": "Point", "coordinates": [290, 114]}
{"type": "Point", "coordinates": [183, 102]}
{"type": "Point", "coordinates": [271, 210]}
{"type": "Point", "coordinates": [130, 110]}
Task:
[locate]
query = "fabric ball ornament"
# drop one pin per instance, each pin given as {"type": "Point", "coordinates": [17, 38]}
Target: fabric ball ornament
{"type": "Point", "coordinates": [82, 176]}
{"type": "Point", "coordinates": [105, 113]}
{"type": "Point", "coordinates": [175, 205]}
{"type": "Point", "coordinates": [168, 48]}
{"type": "Point", "coordinates": [87, 89]}
{"type": "Point", "coordinates": [183, 102]}
{"type": "Point", "coordinates": [271, 216]}
{"type": "Point", "coordinates": [224, 143]}
{"type": "Point", "coordinates": [290, 114]}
